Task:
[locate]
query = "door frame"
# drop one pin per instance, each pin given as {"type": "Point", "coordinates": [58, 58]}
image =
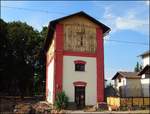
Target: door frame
{"type": "Point", "coordinates": [81, 85]}
{"type": "Point", "coordinates": [80, 94]}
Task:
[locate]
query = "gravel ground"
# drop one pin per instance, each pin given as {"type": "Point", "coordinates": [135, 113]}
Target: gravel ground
{"type": "Point", "coordinates": [112, 112]}
{"type": "Point", "coordinates": [17, 106]}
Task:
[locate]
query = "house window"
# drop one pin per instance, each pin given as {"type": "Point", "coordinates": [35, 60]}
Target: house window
{"type": "Point", "coordinates": [147, 75]}
{"type": "Point", "coordinates": [119, 79]}
{"type": "Point", "coordinates": [79, 65]}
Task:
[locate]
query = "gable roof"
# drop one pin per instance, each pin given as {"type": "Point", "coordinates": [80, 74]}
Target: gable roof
{"type": "Point", "coordinates": [146, 53]}
{"type": "Point", "coordinates": [145, 70]}
{"type": "Point", "coordinates": [52, 25]}
{"type": "Point", "coordinates": [126, 75]}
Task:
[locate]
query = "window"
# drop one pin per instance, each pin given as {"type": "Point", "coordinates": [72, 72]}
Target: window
{"type": "Point", "coordinates": [147, 75]}
{"type": "Point", "coordinates": [119, 79]}
{"type": "Point", "coordinates": [79, 65]}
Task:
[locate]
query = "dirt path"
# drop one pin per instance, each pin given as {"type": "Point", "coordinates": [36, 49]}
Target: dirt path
{"type": "Point", "coordinates": [112, 112]}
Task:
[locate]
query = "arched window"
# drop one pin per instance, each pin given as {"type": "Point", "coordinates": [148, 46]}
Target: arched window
{"type": "Point", "coordinates": [79, 83]}
{"type": "Point", "coordinates": [79, 65]}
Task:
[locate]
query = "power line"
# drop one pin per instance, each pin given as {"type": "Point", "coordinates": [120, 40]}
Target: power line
{"type": "Point", "coordinates": [127, 42]}
{"type": "Point", "coordinates": [34, 10]}
{"type": "Point", "coordinates": [45, 11]}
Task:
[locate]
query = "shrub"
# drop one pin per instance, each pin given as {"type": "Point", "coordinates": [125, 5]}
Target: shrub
{"type": "Point", "coordinates": [61, 101]}
{"type": "Point", "coordinates": [102, 106]}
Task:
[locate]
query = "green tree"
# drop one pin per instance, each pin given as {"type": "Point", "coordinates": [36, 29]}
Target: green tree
{"type": "Point", "coordinates": [24, 47]}
{"type": "Point", "coordinates": [111, 91]}
{"type": "Point", "coordinates": [39, 66]}
{"type": "Point", "coordinates": [4, 51]}
{"type": "Point", "coordinates": [141, 67]}
{"type": "Point", "coordinates": [22, 58]}
{"type": "Point", "coordinates": [3, 44]}
{"type": "Point", "coordinates": [24, 40]}
{"type": "Point", "coordinates": [138, 67]}
{"type": "Point", "coordinates": [20, 48]}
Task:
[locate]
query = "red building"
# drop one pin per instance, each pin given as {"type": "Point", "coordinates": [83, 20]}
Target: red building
{"type": "Point", "coordinates": [75, 58]}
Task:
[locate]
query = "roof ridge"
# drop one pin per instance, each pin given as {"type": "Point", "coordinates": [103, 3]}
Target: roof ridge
{"type": "Point", "coordinates": [53, 23]}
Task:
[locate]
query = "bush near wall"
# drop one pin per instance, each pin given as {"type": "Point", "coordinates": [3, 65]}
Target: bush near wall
{"type": "Point", "coordinates": [61, 101]}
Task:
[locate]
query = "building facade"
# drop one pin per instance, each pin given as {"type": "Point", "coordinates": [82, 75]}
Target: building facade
{"type": "Point", "coordinates": [145, 58]}
{"type": "Point", "coordinates": [75, 59]}
{"type": "Point", "coordinates": [128, 84]}
{"type": "Point", "coordinates": [134, 84]}
{"type": "Point", "coordinates": [145, 73]}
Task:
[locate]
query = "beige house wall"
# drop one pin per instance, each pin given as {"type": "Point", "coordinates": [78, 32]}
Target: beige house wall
{"type": "Point", "coordinates": [89, 76]}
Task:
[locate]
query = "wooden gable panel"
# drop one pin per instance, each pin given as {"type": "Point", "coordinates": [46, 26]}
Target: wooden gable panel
{"type": "Point", "coordinates": [79, 34]}
{"type": "Point", "coordinates": [79, 20]}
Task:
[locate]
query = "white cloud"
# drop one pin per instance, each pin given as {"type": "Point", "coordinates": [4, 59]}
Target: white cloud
{"type": "Point", "coordinates": [129, 21]}
{"type": "Point", "coordinates": [147, 2]}
{"type": "Point", "coordinates": [107, 13]}
{"type": "Point", "coordinates": [126, 23]}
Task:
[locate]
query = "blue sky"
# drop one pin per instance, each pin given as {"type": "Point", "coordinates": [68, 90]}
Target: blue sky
{"type": "Point", "coordinates": [128, 20]}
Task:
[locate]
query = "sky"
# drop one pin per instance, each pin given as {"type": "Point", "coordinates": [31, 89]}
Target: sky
{"type": "Point", "coordinates": [128, 20]}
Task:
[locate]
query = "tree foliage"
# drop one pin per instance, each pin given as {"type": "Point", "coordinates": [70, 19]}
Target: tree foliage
{"type": "Point", "coordinates": [21, 57]}
{"type": "Point", "coordinates": [138, 67]}
{"type": "Point", "coordinates": [111, 91]}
